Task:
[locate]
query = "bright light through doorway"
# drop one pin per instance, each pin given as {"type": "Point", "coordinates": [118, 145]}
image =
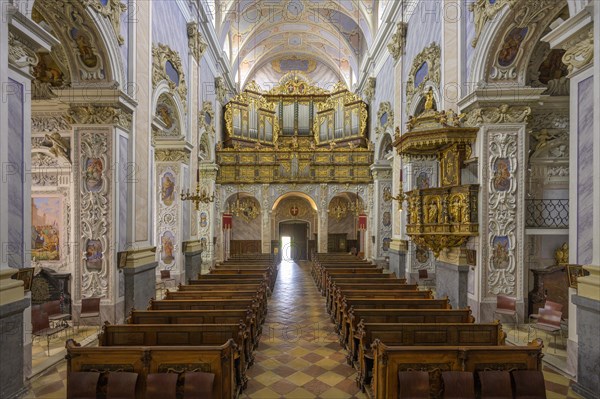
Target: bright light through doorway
{"type": "Point", "coordinates": [286, 247]}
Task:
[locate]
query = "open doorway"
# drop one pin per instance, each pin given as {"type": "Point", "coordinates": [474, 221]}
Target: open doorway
{"type": "Point", "coordinates": [293, 240]}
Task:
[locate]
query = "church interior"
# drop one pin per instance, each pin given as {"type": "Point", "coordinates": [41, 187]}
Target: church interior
{"type": "Point", "coordinates": [300, 199]}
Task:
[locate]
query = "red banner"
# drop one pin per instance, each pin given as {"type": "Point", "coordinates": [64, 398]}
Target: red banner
{"type": "Point", "coordinates": [227, 221]}
{"type": "Point", "coordinates": [362, 222]}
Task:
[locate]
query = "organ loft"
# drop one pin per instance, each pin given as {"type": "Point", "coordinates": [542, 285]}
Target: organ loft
{"type": "Point", "coordinates": [299, 199]}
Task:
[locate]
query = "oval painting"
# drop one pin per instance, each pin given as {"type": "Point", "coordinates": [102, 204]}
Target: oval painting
{"type": "Point", "coordinates": [501, 177]}
{"type": "Point", "coordinates": [93, 255]}
{"type": "Point", "coordinates": [167, 242]}
{"type": "Point", "coordinates": [511, 45]}
{"type": "Point", "coordinates": [167, 189]}
{"type": "Point", "coordinates": [93, 174]}
{"type": "Point", "coordinates": [500, 252]}
{"type": "Point", "coordinates": [387, 219]}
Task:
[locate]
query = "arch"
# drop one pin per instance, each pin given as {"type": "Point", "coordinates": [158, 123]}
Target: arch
{"type": "Point", "coordinates": [385, 146]}
{"type": "Point", "coordinates": [90, 42]}
{"type": "Point", "coordinates": [417, 98]}
{"type": "Point", "coordinates": [163, 91]}
{"type": "Point", "coordinates": [300, 194]}
{"type": "Point", "coordinates": [494, 34]}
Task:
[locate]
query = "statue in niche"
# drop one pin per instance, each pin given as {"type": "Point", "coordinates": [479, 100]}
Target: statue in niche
{"type": "Point", "coordinates": [432, 213]}
{"type": "Point", "coordinates": [561, 255]}
{"type": "Point", "coordinates": [456, 210]}
{"type": "Point", "coordinates": [466, 211]}
{"type": "Point", "coordinates": [59, 147]}
{"type": "Point", "coordinates": [429, 100]}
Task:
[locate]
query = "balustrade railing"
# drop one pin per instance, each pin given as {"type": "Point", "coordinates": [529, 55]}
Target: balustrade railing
{"type": "Point", "coordinates": [547, 213]}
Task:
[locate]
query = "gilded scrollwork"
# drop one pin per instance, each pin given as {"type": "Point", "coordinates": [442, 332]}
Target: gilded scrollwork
{"type": "Point", "coordinates": [398, 42]}
{"type": "Point", "coordinates": [369, 91]}
{"type": "Point", "coordinates": [166, 155]}
{"type": "Point", "coordinates": [385, 118]}
{"type": "Point", "coordinates": [20, 53]}
{"type": "Point", "coordinates": [431, 57]}
{"type": "Point", "coordinates": [196, 42]}
{"type": "Point", "coordinates": [111, 9]}
{"type": "Point", "coordinates": [161, 55]}
{"type": "Point", "coordinates": [484, 11]}
{"type": "Point", "coordinates": [99, 115]}
{"type": "Point", "coordinates": [503, 114]}
{"type": "Point", "coordinates": [580, 51]}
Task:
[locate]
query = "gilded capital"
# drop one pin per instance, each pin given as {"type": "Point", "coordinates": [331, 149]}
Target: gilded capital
{"type": "Point", "coordinates": [398, 42]}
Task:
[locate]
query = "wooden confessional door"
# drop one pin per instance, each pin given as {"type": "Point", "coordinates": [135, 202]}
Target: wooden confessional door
{"type": "Point", "coordinates": [298, 234]}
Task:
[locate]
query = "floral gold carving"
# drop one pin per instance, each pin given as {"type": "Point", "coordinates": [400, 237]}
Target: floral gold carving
{"type": "Point", "coordinates": [220, 89]}
{"type": "Point", "coordinates": [369, 90]}
{"type": "Point", "coordinates": [161, 54]}
{"type": "Point", "coordinates": [483, 11]}
{"type": "Point", "coordinates": [503, 114]}
{"type": "Point", "coordinates": [196, 41]}
{"type": "Point", "coordinates": [398, 41]}
{"type": "Point", "coordinates": [112, 9]}
{"type": "Point", "coordinates": [579, 52]}
{"type": "Point", "coordinates": [430, 55]}
{"type": "Point", "coordinates": [99, 115]}
{"type": "Point", "coordinates": [172, 156]}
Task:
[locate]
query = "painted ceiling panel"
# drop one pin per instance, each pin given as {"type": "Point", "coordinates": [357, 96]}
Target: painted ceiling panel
{"type": "Point", "coordinates": [335, 34]}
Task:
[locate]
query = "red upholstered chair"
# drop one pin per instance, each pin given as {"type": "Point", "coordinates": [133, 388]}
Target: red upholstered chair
{"type": "Point", "coordinates": [507, 305]}
{"type": "Point", "coordinates": [41, 325]}
{"type": "Point", "coordinates": [495, 385]}
{"type": "Point", "coordinates": [121, 385]}
{"type": "Point", "coordinates": [198, 385]}
{"type": "Point", "coordinates": [549, 321]}
{"type": "Point", "coordinates": [529, 384]}
{"type": "Point", "coordinates": [547, 305]}
{"type": "Point", "coordinates": [82, 385]}
{"type": "Point", "coordinates": [413, 385]}
{"type": "Point", "coordinates": [161, 386]}
{"type": "Point", "coordinates": [458, 385]}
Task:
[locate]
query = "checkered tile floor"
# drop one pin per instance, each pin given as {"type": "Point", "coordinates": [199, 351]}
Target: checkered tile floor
{"type": "Point", "coordinates": [299, 355]}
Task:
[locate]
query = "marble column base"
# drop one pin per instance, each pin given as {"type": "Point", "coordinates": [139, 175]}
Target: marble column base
{"type": "Point", "coordinates": [11, 342]}
{"type": "Point", "coordinates": [397, 262]}
{"type": "Point", "coordinates": [193, 265]}
{"type": "Point", "coordinates": [588, 353]}
{"type": "Point", "coordinates": [140, 285]}
{"type": "Point", "coordinates": [452, 281]}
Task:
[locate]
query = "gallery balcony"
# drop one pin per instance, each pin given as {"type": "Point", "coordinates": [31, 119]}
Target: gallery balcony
{"type": "Point", "coordinates": [547, 216]}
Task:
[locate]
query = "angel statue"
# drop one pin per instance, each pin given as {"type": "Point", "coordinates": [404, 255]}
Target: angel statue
{"type": "Point", "coordinates": [59, 147]}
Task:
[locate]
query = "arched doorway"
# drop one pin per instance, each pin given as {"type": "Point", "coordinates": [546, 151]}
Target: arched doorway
{"type": "Point", "coordinates": [293, 240]}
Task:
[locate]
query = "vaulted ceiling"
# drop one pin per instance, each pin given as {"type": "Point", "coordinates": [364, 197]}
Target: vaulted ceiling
{"type": "Point", "coordinates": [324, 39]}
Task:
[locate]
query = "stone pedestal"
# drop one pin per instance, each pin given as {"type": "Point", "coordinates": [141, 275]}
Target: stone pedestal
{"type": "Point", "coordinates": [12, 363]}
{"type": "Point", "coordinates": [452, 280]}
{"type": "Point", "coordinates": [193, 259]}
{"type": "Point", "coordinates": [140, 279]}
{"type": "Point", "coordinates": [397, 255]}
{"type": "Point", "coordinates": [588, 362]}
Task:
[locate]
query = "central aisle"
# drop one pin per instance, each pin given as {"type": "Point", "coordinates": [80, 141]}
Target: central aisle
{"type": "Point", "coordinates": [299, 355]}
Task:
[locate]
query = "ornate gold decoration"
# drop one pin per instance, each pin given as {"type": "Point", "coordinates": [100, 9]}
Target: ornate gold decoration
{"type": "Point", "coordinates": [483, 11]}
{"type": "Point", "coordinates": [161, 54]}
{"type": "Point", "coordinates": [387, 196]}
{"type": "Point", "coordinates": [99, 115]}
{"type": "Point", "coordinates": [430, 55]}
{"type": "Point", "coordinates": [20, 53]}
{"type": "Point", "coordinates": [59, 147]}
{"type": "Point", "coordinates": [112, 10]}
{"type": "Point", "coordinates": [369, 91]}
{"type": "Point", "coordinates": [580, 51]}
{"type": "Point", "coordinates": [220, 89]}
{"type": "Point", "coordinates": [561, 255]}
{"type": "Point", "coordinates": [247, 208]}
{"type": "Point", "coordinates": [165, 155]}
{"type": "Point", "coordinates": [312, 64]}
{"type": "Point", "coordinates": [503, 114]}
{"type": "Point", "coordinates": [201, 196]}
{"type": "Point", "coordinates": [338, 208]}
{"type": "Point", "coordinates": [385, 107]}
{"type": "Point", "coordinates": [294, 84]}
{"type": "Point", "coordinates": [398, 41]}
{"type": "Point", "coordinates": [442, 217]}
{"type": "Point", "coordinates": [196, 42]}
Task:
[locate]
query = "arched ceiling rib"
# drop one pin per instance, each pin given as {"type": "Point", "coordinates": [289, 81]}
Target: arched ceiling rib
{"type": "Point", "coordinates": [333, 33]}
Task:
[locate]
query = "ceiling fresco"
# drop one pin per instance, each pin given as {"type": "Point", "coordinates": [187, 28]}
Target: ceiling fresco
{"type": "Point", "coordinates": [326, 40]}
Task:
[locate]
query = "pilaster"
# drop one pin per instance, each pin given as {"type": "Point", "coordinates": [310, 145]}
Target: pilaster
{"type": "Point", "coordinates": [451, 276]}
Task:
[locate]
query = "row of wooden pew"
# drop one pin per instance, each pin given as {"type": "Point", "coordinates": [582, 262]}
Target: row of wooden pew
{"type": "Point", "coordinates": [388, 327]}
{"type": "Point", "coordinates": [211, 325]}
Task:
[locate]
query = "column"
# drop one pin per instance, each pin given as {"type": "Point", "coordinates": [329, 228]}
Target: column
{"type": "Point", "coordinates": [207, 219]}
{"type": "Point", "coordinates": [20, 39]}
{"type": "Point", "coordinates": [451, 277]}
{"type": "Point", "coordinates": [266, 214]}
{"type": "Point", "coordinates": [576, 36]}
{"type": "Point", "coordinates": [383, 209]}
{"type": "Point", "coordinates": [323, 219]}
{"type": "Point", "coordinates": [141, 254]}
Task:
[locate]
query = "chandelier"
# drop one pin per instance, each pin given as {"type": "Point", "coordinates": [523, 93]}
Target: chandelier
{"type": "Point", "coordinates": [387, 196]}
{"type": "Point", "coordinates": [201, 195]}
{"type": "Point", "coordinates": [245, 208]}
{"type": "Point", "coordinates": [338, 208]}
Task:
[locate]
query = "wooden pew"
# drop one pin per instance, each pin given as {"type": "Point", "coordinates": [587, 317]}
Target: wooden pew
{"type": "Point", "coordinates": [382, 293]}
{"type": "Point", "coordinates": [182, 335]}
{"type": "Point", "coordinates": [389, 360]}
{"type": "Point", "coordinates": [362, 278]}
{"type": "Point", "coordinates": [386, 303]}
{"type": "Point", "coordinates": [144, 360]}
{"type": "Point", "coordinates": [418, 334]}
{"type": "Point", "coordinates": [215, 275]}
{"type": "Point", "coordinates": [403, 316]}
{"type": "Point", "coordinates": [220, 316]}
{"type": "Point", "coordinates": [199, 294]}
{"type": "Point", "coordinates": [221, 287]}
{"type": "Point", "coordinates": [336, 288]}
{"type": "Point", "coordinates": [210, 304]}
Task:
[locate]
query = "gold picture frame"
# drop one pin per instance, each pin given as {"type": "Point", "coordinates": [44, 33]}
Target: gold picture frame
{"type": "Point", "coordinates": [26, 275]}
{"type": "Point", "coordinates": [121, 259]}
{"type": "Point", "coordinates": [575, 271]}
